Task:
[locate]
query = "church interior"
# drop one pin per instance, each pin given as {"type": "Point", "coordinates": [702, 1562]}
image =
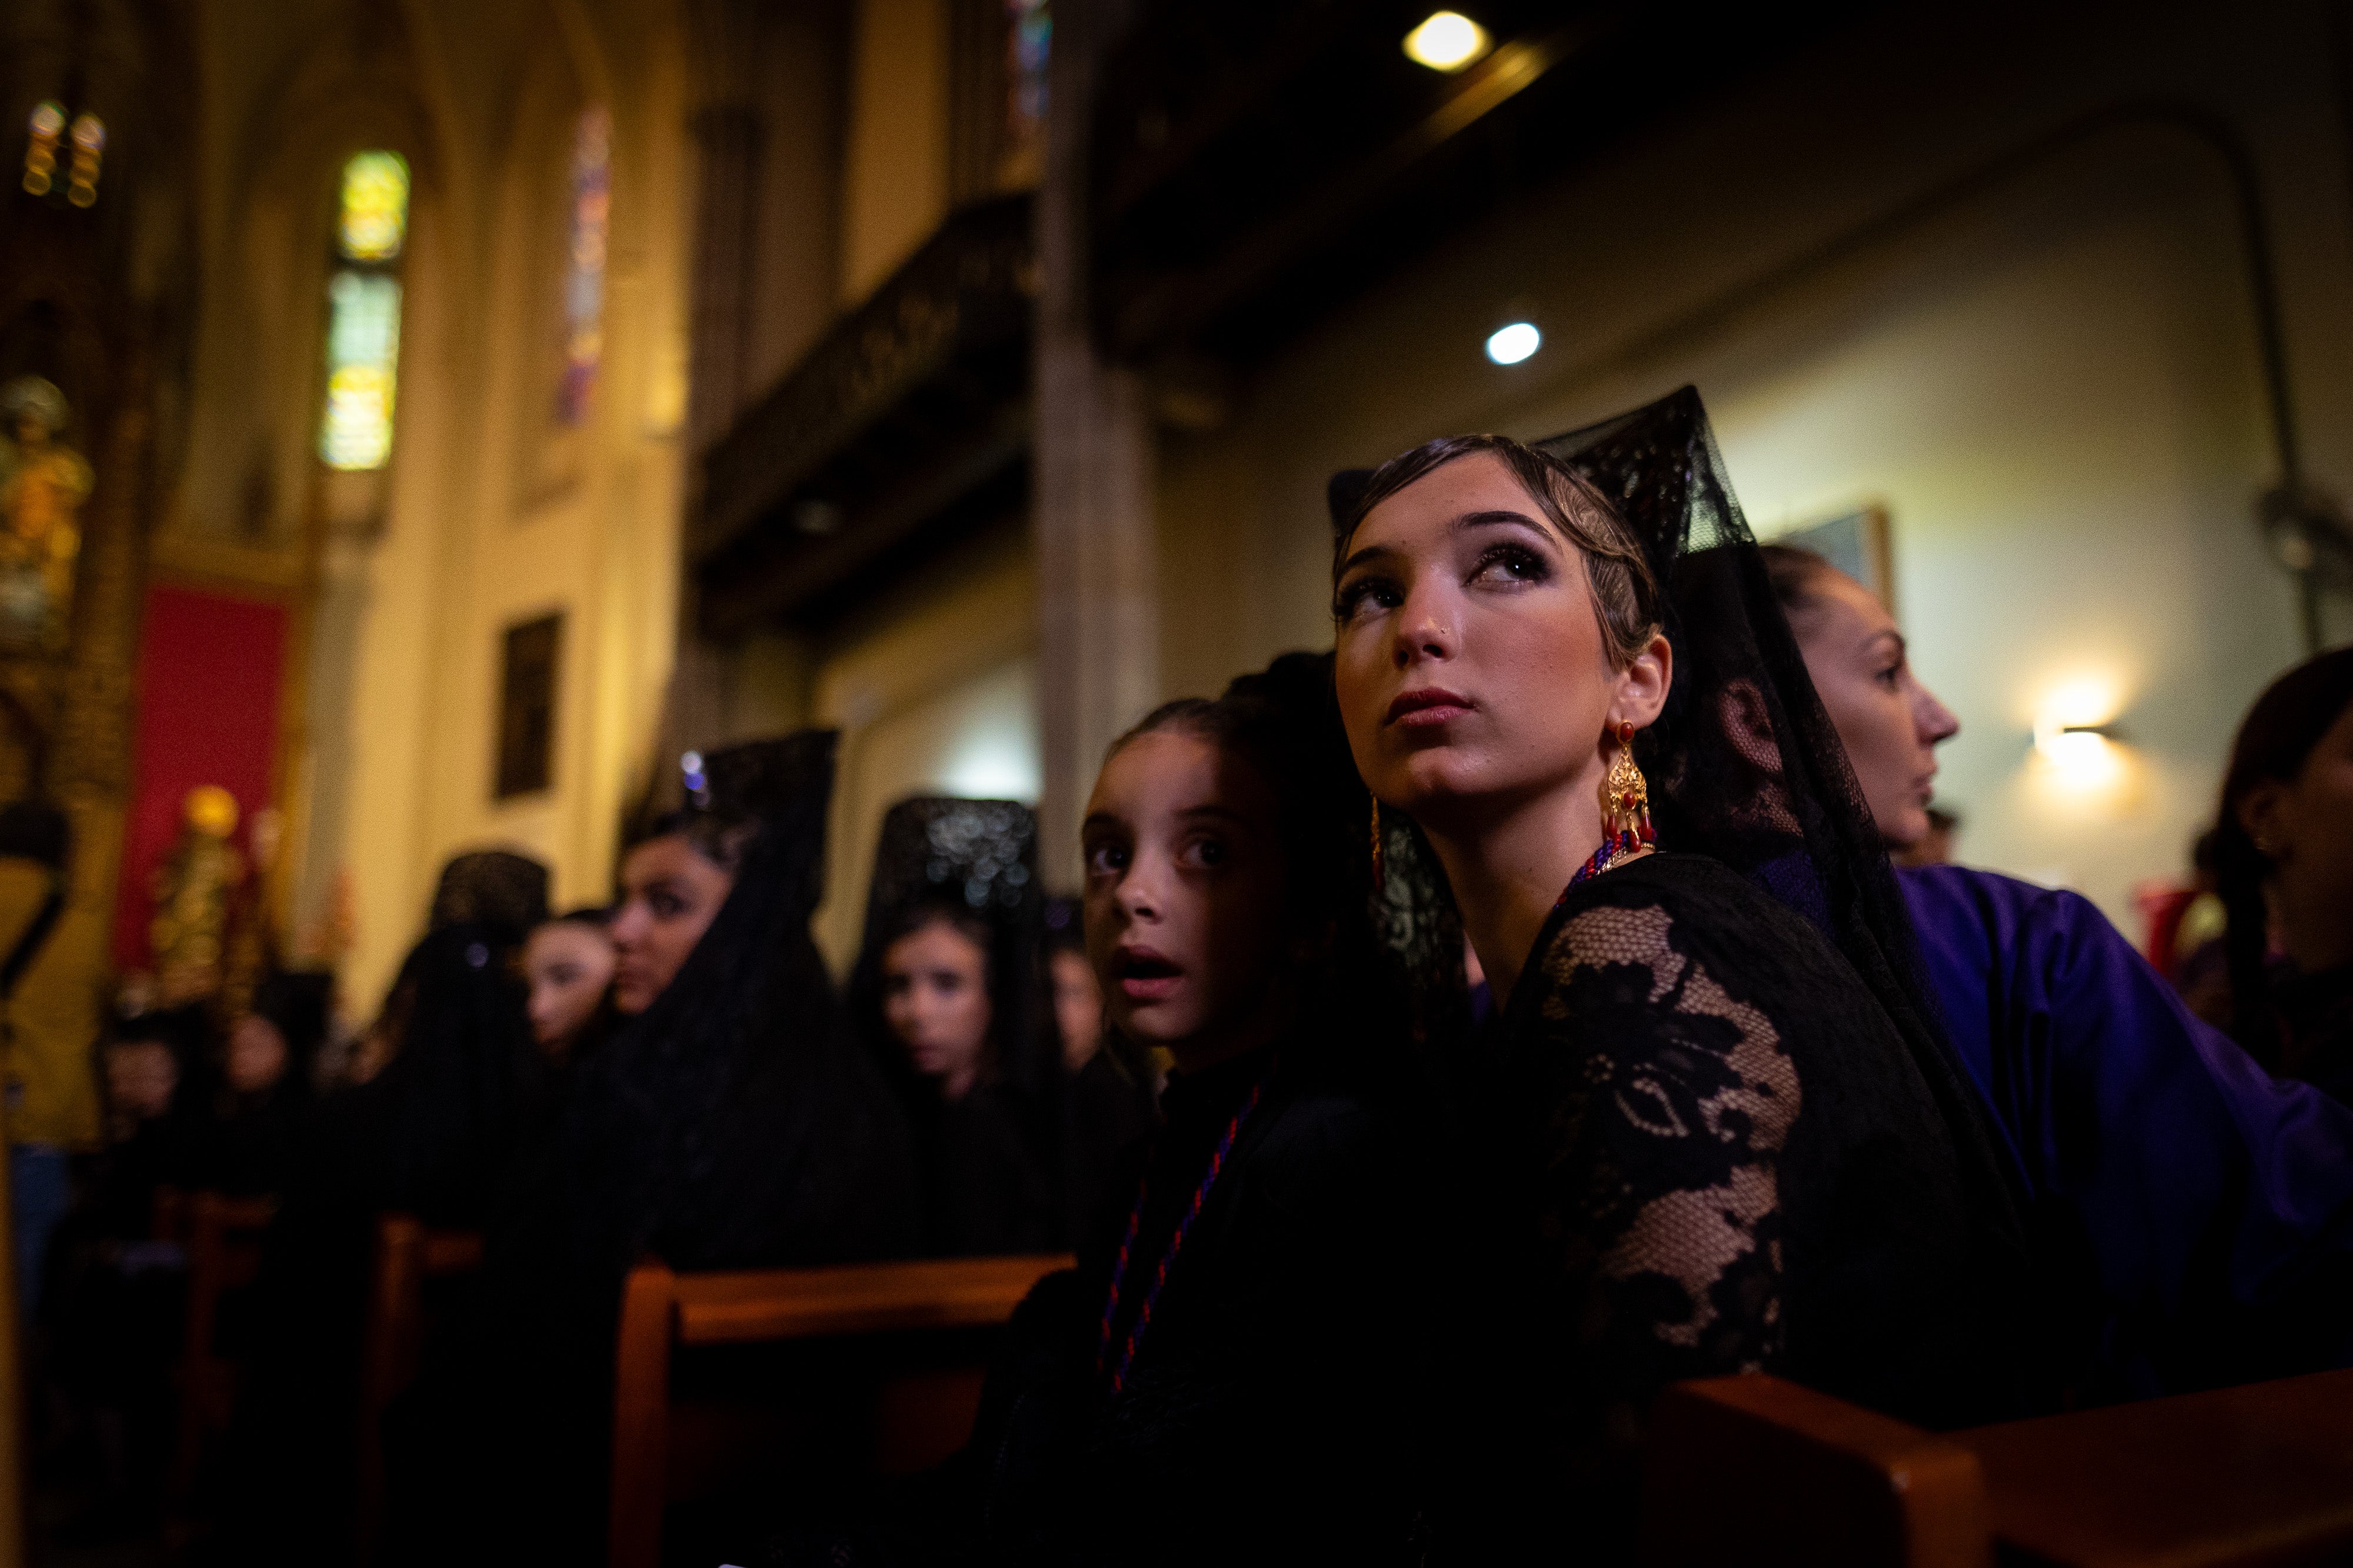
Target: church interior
{"type": "Point", "coordinates": [442, 436]}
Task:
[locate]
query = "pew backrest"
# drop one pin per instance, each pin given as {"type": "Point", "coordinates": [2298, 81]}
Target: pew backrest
{"type": "Point", "coordinates": [392, 1349]}
{"type": "Point", "coordinates": [223, 1237]}
{"type": "Point", "coordinates": [662, 1313]}
{"type": "Point", "coordinates": [1757, 1470]}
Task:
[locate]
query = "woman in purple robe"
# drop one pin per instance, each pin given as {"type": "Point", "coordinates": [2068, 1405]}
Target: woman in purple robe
{"type": "Point", "coordinates": [2192, 1217]}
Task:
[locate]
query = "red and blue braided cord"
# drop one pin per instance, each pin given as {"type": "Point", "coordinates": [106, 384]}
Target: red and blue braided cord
{"type": "Point", "coordinates": [1175, 1242]}
{"type": "Point", "coordinates": [1625, 842]}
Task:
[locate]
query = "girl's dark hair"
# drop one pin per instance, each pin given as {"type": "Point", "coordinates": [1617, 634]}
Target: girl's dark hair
{"type": "Point", "coordinates": [1617, 573]}
{"type": "Point", "coordinates": [1252, 723]}
{"type": "Point", "coordinates": [597, 917]}
{"type": "Point", "coordinates": [2274, 741]}
{"type": "Point", "coordinates": [718, 834]}
{"type": "Point", "coordinates": [1793, 571]}
{"type": "Point", "coordinates": [944, 911]}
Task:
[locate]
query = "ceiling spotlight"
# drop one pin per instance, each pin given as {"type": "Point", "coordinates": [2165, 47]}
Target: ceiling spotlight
{"type": "Point", "coordinates": [1510, 345]}
{"type": "Point", "coordinates": [1447, 41]}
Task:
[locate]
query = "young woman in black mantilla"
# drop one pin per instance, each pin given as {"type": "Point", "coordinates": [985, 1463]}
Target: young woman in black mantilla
{"type": "Point", "coordinates": [729, 1123]}
{"type": "Point", "coordinates": [1718, 1132]}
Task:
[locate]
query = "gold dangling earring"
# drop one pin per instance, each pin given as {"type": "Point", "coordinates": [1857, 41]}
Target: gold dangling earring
{"type": "Point", "coordinates": [1380, 853]}
{"type": "Point", "coordinates": [1626, 796]}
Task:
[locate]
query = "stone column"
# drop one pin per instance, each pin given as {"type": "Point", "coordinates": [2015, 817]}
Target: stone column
{"type": "Point", "coordinates": [727, 152]}
{"type": "Point", "coordinates": [1097, 549]}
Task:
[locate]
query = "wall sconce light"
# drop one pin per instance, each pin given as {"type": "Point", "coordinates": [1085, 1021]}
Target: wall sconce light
{"type": "Point", "coordinates": [2074, 746]}
{"type": "Point", "coordinates": [2075, 736]}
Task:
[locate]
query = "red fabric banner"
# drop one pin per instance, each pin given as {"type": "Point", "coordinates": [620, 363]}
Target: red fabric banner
{"type": "Point", "coordinates": [209, 672]}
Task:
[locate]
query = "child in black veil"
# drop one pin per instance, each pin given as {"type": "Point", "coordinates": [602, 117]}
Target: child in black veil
{"type": "Point", "coordinates": [1232, 1373]}
{"type": "Point", "coordinates": [1715, 1128]}
{"type": "Point", "coordinates": [949, 996]}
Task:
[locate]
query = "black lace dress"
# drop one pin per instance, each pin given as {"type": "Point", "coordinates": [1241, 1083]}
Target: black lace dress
{"type": "Point", "coordinates": [1707, 1153]}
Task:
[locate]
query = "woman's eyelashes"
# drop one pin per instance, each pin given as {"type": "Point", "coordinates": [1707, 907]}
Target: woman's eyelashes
{"type": "Point", "coordinates": [1358, 593]}
{"type": "Point", "coordinates": [1504, 565]}
{"type": "Point", "coordinates": [1511, 564]}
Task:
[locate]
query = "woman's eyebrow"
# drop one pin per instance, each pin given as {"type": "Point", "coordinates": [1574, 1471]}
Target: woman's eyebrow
{"type": "Point", "coordinates": [1495, 519]}
{"type": "Point", "coordinates": [1101, 819]}
{"type": "Point", "coordinates": [1211, 808]}
{"type": "Point", "coordinates": [1468, 519]}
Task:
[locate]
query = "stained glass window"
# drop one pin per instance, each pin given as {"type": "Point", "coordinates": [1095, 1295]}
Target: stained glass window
{"type": "Point", "coordinates": [583, 276]}
{"type": "Point", "coordinates": [364, 313]}
{"type": "Point", "coordinates": [363, 368]}
{"type": "Point", "coordinates": [376, 207]}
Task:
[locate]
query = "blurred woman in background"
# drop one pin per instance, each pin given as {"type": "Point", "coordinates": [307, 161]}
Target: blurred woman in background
{"type": "Point", "coordinates": [728, 1124]}
{"type": "Point", "coordinates": [2284, 866]}
{"type": "Point", "coordinates": [2184, 1206]}
{"type": "Point", "coordinates": [568, 964]}
{"type": "Point", "coordinates": [950, 995]}
{"type": "Point", "coordinates": [267, 1084]}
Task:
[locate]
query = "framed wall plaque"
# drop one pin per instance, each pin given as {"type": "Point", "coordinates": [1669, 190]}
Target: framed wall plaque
{"type": "Point", "coordinates": [529, 662]}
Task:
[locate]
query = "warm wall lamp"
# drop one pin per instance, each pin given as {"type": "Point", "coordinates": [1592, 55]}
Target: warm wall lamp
{"type": "Point", "coordinates": [1447, 41]}
{"type": "Point", "coordinates": [2077, 738]}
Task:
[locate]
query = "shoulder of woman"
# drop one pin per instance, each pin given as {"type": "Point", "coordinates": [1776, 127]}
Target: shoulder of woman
{"type": "Point", "coordinates": [1694, 894]}
{"type": "Point", "coordinates": [1706, 937]}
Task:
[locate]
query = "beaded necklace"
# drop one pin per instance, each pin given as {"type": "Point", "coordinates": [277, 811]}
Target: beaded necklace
{"type": "Point", "coordinates": [1184, 1227]}
{"type": "Point", "coordinates": [1624, 842]}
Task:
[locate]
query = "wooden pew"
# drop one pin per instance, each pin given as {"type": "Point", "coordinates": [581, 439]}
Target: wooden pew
{"type": "Point", "coordinates": [392, 1349]}
{"type": "Point", "coordinates": [223, 1238]}
{"type": "Point", "coordinates": [1756, 1471]}
{"type": "Point", "coordinates": [919, 1409]}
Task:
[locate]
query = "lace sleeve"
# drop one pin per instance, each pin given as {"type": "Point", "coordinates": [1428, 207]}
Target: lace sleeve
{"type": "Point", "coordinates": [1663, 1102]}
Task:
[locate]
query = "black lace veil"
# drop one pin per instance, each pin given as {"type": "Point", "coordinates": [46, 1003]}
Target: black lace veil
{"type": "Point", "coordinates": [977, 859]}
{"type": "Point", "coordinates": [730, 1124]}
{"type": "Point", "coordinates": [503, 892]}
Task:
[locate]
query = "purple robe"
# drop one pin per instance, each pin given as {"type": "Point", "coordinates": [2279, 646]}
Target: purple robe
{"type": "Point", "coordinates": [2193, 1216]}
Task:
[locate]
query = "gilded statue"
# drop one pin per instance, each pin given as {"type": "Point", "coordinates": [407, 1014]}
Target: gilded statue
{"type": "Point", "coordinates": [195, 887]}
{"type": "Point", "coordinates": [43, 483]}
